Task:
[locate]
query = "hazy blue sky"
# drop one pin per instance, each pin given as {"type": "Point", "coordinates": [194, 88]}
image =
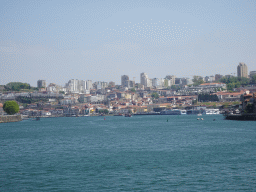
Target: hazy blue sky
{"type": "Point", "coordinates": [104, 39]}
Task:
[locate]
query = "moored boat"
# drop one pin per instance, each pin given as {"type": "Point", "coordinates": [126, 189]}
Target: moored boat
{"type": "Point", "coordinates": [119, 114]}
{"type": "Point", "coordinates": [183, 112]}
{"type": "Point", "coordinates": [171, 112]}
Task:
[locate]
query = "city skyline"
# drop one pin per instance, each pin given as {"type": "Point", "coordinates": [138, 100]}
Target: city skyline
{"type": "Point", "coordinates": [101, 40]}
{"type": "Point", "coordinates": [147, 81]}
{"type": "Point", "coordinates": [125, 80]}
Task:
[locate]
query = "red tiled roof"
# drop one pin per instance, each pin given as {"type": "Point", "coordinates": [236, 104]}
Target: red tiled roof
{"type": "Point", "coordinates": [228, 93]}
{"type": "Point", "coordinates": [212, 83]}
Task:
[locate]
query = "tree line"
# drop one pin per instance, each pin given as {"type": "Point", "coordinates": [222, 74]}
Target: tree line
{"type": "Point", "coordinates": [236, 82]}
{"type": "Point", "coordinates": [231, 82]}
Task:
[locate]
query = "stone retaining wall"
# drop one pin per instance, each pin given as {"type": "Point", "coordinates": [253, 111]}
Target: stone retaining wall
{"type": "Point", "coordinates": [10, 118]}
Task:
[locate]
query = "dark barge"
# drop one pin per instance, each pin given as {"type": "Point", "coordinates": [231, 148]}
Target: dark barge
{"type": "Point", "coordinates": [241, 117]}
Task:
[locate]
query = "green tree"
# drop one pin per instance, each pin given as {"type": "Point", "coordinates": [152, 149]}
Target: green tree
{"type": "Point", "coordinates": [133, 90]}
{"type": "Point", "coordinates": [225, 105]}
{"type": "Point", "coordinates": [16, 86]}
{"type": "Point", "coordinates": [155, 95]}
{"type": "Point", "coordinates": [253, 79]}
{"type": "Point", "coordinates": [244, 80]}
{"type": "Point", "coordinates": [234, 82]}
{"type": "Point", "coordinates": [175, 87]}
{"type": "Point", "coordinates": [11, 107]}
{"type": "Point", "coordinates": [105, 111]}
{"type": "Point", "coordinates": [197, 80]}
{"type": "Point", "coordinates": [231, 86]}
{"type": "Point", "coordinates": [249, 108]}
{"type": "Point", "coordinates": [194, 102]}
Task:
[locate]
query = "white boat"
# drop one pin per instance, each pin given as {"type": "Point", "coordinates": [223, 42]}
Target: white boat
{"type": "Point", "coordinates": [171, 112]}
{"type": "Point", "coordinates": [212, 112]}
{"type": "Point", "coordinates": [208, 112]}
{"type": "Point", "coordinates": [216, 111]}
{"type": "Point", "coordinates": [199, 114]}
{"type": "Point", "coordinates": [183, 112]}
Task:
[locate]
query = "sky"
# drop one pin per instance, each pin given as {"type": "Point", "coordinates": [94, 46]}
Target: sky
{"type": "Point", "coordinates": [100, 40]}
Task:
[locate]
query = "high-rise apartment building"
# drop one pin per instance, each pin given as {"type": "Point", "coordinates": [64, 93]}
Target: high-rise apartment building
{"type": "Point", "coordinates": [209, 79]}
{"type": "Point", "coordinates": [171, 78]}
{"type": "Point", "coordinates": [129, 84]}
{"type": "Point", "coordinates": [124, 78]}
{"type": "Point", "coordinates": [82, 86]}
{"type": "Point", "coordinates": [89, 84]}
{"type": "Point", "coordinates": [76, 86]}
{"type": "Point", "coordinates": [149, 82]}
{"type": "Point", "coordinates": [167, 83]}
{"type": "Point", "coordinates": [41, 83]}
{"type": "Point", "coordinates": [242, 70]}
{"type": "Point", "coordinates": [182, 81]}
{"type": "Point", "coordinates": [100, 85]}
{"type": "Point", "coordinates": [144, 79]}
{"type": "Point", "coordinates": [156, 82]}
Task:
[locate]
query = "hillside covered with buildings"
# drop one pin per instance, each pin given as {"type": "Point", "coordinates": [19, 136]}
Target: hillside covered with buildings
{"type": "Point", "coordinates": [83, 97]}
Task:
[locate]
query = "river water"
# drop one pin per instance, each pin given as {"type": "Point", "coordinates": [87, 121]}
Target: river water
{"type": "Point", "coordinates": [139, 153]}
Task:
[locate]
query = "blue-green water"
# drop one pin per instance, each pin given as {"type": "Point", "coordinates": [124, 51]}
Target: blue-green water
{"type": "Point", "coordinates": [141, 153]}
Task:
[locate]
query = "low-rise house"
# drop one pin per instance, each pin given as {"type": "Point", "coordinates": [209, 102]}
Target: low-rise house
{"type": "Point", "coordinates": [173, 99]}
{"type": "Point", "coordinates": [56, 112]}
{"type": "Point", "coordinates": [31, 112]}
{"type": "Point", "coordinates": [71, 111]}
{"type": "Point", "coordinates": [46, 113]}
{"type": "Point", "coordinates": [96, 99]}
{"type": "Point", "coordinates": [213, 85]}
{"type": "Point", "coordinates": [120, 94]}
{"type": "Point", "coordinates": [1, 109]}
{"type": "Point", "coordinates": [32, 105]}
{"type": "Point", "coordinates": [249, 99]}
{"type": "Point", "coordinates": [203, 88]}
{"type": "Point", "coordinates": [84, 98]}
{"type": "Point", "coordinates": [112, 96]}
{"type": "Point", "coordinates": [140, 109]}
{"type": "Point", "coordinates": [155, 107]}
{"type": "Point", "coordinates": [230, 96]}
{"type": "Point", "coordinates": [8, 96]}
{"type": "Point", "coordinates": [68, 101]}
